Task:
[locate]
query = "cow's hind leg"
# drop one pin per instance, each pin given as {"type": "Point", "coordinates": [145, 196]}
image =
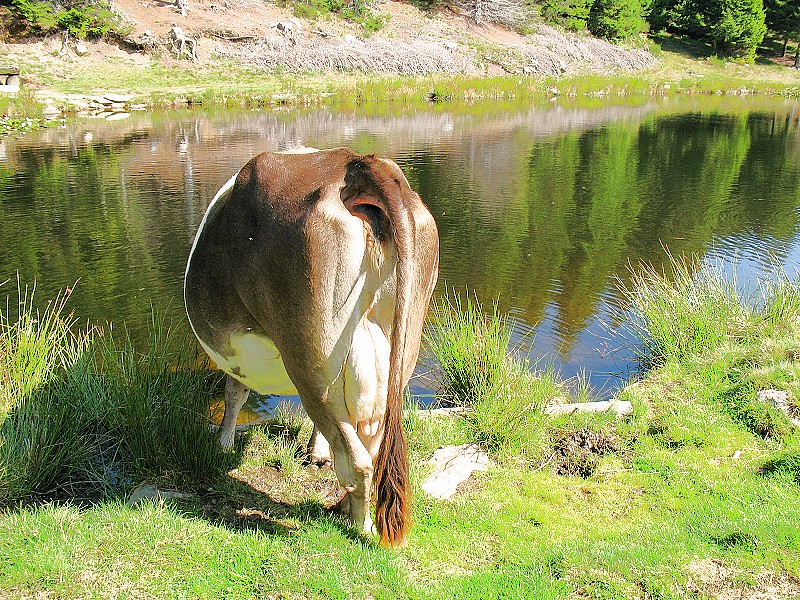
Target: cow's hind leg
{"type": "Point", "coordinates": [351, 462]}
{"type": "Point", "coordinates": [235, 396]}
{"type": "Point", "coordinates": [355, 475]}
{"type": "Point", "coordinates": [319, 451]}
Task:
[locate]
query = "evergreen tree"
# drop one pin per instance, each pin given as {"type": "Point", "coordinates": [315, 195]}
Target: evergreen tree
{"type": "Point", "coordinates": [616, 19]}
{"type": "Point", "coordinates": [739, 29]}
{"type": "Point", "coordinates": [783, 17]}
{"type": "Point", "coordinates": [570, 14]}
{"type": "Point", "coordinates": [734, 28]}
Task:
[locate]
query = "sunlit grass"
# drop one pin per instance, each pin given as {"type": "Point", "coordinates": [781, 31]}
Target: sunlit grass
{"type": "Point", "coordinates": [692, 500]}
{"type": "Point", "coordinates": [688, 310]}
{"type": "Point", "coordinates": [475, 365]}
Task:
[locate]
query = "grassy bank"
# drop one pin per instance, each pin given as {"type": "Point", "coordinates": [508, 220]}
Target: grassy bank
{"type": "Point", "coordinates": [696, 495]}
{"type": "Point", "coordinates": [157, 81]}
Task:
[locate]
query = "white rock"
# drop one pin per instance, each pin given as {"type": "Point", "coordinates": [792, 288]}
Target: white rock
{"type": "Point", "coordinates": [350, 38]}
{"type": "Point", "coordinates": [118, 97]}
{"type": "Point", "coordinates": [81, 50]}
{"type": "Point", "coordinates": [451, 466]}
{"type": "Point", "coordinates": [779, 399]}
{"type": "Point", "coordinates": [146, 490]}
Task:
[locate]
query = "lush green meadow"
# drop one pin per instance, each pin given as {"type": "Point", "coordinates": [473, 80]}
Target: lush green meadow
{"type": "Point", "coordinates": [695, 495]}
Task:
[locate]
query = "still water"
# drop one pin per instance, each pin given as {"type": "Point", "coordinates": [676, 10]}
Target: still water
{"type": "Point", "coordinates": [542, 209]}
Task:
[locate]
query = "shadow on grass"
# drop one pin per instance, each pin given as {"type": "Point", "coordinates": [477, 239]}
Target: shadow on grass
{"type": "Point", "coordinates": [690, 48]}
{"type": "Point", "coordinates": [254, 495]}
{"type": "Point", "coordinates": [239, 502]}
{"type": "Point", "coordinates": [236, 505]}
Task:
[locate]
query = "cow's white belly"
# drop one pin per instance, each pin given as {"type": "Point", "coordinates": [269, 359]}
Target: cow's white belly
{"type": "Point", "coordinates": [257, 363]}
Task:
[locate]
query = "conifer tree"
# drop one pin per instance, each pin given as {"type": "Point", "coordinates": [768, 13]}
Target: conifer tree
{"type": "Point", "coordinates": [783, 17]}
{"type": "Point", "coordinates": [616, 19]}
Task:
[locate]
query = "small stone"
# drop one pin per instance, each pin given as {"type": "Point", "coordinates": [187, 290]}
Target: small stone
{"type": "Point", "coordinates": [50, 112]}
{"type": "Point", "coordinates": [81, 50]}
{"type": "Point", "coordinates": [778, 398]}
{"type": "Point", "coordinates": [149, 491]}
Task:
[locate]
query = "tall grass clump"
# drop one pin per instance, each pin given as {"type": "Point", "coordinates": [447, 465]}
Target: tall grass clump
{"type": "Point", "coordinates": [35, 345]}
{"type": "Point", "coordinates": [697, 307]}
{"type": "Point", "coordinates": [470, 353]}
{"type": "Point", "coordinates": [689, 311]}
{"type": "Point", "coordinates": [43, 438]}
{"type": "Point", "coordinates": [778, 300]}
{"type": "Point", "coordinates": [85, 413]}
{"type": "Point", "coordinates": [159, 401]}
{"type": "Point", "coordinates": [277, 443]}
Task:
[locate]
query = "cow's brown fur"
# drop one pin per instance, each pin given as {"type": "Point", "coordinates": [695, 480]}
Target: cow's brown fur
{"type": "Point", "coordinates": [261, 266]}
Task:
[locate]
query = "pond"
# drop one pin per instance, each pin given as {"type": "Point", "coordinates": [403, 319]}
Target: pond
{"type": "Point", "coordinates": [540, 208]}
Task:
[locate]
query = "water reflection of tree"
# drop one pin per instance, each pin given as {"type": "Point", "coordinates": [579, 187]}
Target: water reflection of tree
{"type": "Point", "coordinates": [586, 204]}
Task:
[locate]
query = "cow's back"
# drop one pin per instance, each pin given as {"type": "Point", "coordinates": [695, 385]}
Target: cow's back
{"type": "Point", "coordinates": [247, 288]}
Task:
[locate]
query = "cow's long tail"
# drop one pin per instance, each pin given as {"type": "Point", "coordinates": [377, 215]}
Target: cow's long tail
{"type": "Point", "coordinates": [391, 477]}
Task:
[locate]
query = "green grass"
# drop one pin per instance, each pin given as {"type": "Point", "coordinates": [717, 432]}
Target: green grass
{"type": "Point", "coordinates": [475, 366]}
{"type": "Point", "coordinates": [86, 414]}
{"type": "Point", "coordinates": [690, 497]}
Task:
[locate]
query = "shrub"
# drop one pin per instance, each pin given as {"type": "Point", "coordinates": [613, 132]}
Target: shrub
{"type": "Point", "coordinates": [356, 11]}
{"type": "Point", "coordinates": [81, 18]}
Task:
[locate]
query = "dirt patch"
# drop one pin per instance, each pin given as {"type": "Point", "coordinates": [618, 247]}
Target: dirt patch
{"type": "Point", "coordinates": [264, 499]}
{"type": "Point", "coordinates": [320, 484]}
{"type": "Point", "coordinates": [577, 452]}
{"type": "Point", "coordinates": [710, 578]}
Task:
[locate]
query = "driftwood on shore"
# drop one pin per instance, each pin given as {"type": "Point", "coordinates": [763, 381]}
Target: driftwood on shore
{"type": "Point", "coordinates": [621, 407]}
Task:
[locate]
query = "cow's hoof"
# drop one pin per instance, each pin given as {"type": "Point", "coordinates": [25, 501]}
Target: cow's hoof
{"type": "Point", "coordinates": [320, 463]}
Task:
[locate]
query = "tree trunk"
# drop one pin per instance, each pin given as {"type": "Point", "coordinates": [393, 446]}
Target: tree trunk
{"type": "Point", "coordinates": [797, 56]}
{"type": "Point", "coordinates": [785, 43]}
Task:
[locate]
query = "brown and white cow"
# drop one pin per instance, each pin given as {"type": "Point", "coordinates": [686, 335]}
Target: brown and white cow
{"type": "Point", "coordinates": [313, 270]}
